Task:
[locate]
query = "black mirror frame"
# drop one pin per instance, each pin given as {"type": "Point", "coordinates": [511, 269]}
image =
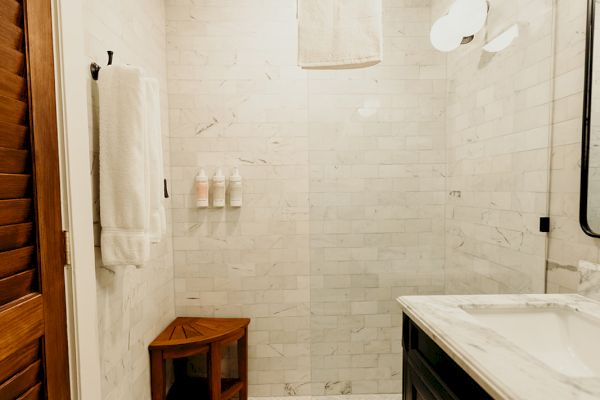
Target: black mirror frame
{"type": "Point", "coordinates": [587, 110]}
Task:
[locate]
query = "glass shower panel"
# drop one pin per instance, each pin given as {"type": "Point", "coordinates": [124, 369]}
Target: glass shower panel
{"type": "Point", "coordinates": [428, 175]}
{"type": "Point", "coordinates": [499, 116]}
{"type": "Point", "coordinates": [377, 190]}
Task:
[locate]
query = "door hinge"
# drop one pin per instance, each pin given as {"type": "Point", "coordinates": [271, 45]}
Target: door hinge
{"type": "Point", "coordinates": [67, 239]}
{"type": "Point", "coordinates": [545, 224]}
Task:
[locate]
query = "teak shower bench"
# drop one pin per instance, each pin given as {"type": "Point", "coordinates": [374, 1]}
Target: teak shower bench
{"type": "Point", "coordinates": [186, 337]}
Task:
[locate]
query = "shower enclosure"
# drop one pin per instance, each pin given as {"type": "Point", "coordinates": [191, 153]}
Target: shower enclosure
{"type": "Point", "coordinates": [426, 174]}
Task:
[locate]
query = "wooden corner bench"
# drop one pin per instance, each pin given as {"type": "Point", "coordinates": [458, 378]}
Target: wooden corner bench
{"type": "Point", "coordinates": [186, 337]}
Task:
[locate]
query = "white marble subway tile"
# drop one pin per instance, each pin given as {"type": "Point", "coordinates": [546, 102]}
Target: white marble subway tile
{"type": "Point", "coordinates": [498, 158]}
{"type": "Point", "coordinates": [134, 305]}
{"type": "Point", "coordinates": [310, 146]}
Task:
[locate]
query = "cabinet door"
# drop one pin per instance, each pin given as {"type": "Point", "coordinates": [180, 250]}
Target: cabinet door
{"type": "Point", "coordinates": [413, 388]}
{"type": "Point", "coordinates": [422, 382]}
{"type": "Point", "coordinates": [430, 374]}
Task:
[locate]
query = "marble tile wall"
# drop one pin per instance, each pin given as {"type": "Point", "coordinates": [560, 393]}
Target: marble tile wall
{"type": "Point", "coordinates": [567, 243]}
{"type": "Point", "coordinates": [498, 131]}
{"type": "Point", "coordinates": [561, 278]}
{"type": "Point", "coordinates": [237, 98]}
{"type": "Point", "coordinates": [343, 190]}
{"type": "Point", "coordinates": [134, 305]}
{"type": "Point", "coordinates": [344, 183]}
{"type": "Point", "coordinates": [377, 181]}
{"type": "Point", "coordinates": [589, 280]}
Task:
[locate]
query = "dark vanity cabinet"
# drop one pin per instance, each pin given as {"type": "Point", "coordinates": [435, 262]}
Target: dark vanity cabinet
{"type": "Point", "coordinates": [429, 373]}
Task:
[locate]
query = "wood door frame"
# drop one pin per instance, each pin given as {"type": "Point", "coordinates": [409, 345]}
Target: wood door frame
{"type": "Point", "coordinates": [47, 199]}
{"type": "Point", "coordinates": [73, 84]}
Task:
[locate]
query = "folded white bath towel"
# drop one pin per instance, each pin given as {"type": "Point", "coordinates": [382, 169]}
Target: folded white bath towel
{"type": "Point", "coordinates": [124, 199]}
{"type": "Point", "coordinates": [339, 34]}
{"type": "Point", "coordinates": [157, 224]}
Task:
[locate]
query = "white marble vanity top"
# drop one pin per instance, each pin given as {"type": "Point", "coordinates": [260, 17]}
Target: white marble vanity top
{"type": "Point", "coordinates": [502, 368]}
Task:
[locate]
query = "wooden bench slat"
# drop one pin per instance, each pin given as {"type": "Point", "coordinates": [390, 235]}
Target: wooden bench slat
{"type": "Point", "coordinates": [203, 330]}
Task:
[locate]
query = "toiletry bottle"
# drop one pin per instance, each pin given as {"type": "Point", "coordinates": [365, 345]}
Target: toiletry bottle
{"type": "Point", "coordinates": [219, 189]}
{"type": "Point", "coordinates": [201, 189]}
{"type": "Point", "coordinates": [235, 189]}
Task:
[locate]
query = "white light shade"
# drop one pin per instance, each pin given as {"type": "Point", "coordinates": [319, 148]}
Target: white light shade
{"type": "Point", "coordinates": [469, 15]}
{"type": "Point", "coordinates": [503, 40]}
{"type": "Point", "coordinates": [444, 34]}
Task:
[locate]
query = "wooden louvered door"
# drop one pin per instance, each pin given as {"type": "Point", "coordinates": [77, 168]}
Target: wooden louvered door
{"type": "Point", "coordinates": [33, 341]}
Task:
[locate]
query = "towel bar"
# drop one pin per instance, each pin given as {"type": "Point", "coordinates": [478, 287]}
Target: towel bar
{"type": "Point", "coordinates": [95, 68]}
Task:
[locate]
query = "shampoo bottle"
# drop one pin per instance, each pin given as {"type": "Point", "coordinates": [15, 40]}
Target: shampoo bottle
{"type": "Point", "coordinates": [201, 189]}
{"type": "Point", "coordinates": [235, 189]}
{"type": "Point", "coordinates": [219, 189]}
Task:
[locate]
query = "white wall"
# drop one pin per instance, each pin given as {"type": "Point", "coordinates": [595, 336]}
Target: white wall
{"type": "Point", "coordinates": [134, 305]}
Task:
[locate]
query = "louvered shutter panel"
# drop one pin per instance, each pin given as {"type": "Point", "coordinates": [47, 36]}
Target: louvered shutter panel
{"type": "Point", "coordinates": [21, 316]}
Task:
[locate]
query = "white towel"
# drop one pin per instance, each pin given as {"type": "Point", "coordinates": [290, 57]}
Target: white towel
{"type": "Point", "coordinates": [339, 34]}
{"type": "Point", "coordinates": [124, 188]}
{"type": "Point", "coordinates": [157, 224]}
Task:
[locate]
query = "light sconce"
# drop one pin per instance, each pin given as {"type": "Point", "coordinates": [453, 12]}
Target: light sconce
{"type": "Point", "coordinates": [463, 21]}
{"type": "Point", "coordinates": [503, 40]}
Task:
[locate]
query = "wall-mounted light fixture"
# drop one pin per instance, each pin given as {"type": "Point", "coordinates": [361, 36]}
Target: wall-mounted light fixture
{"type": "Point", "coordinates": [503, 40]}
{"type": "Point", "coordinates": [464, 19]}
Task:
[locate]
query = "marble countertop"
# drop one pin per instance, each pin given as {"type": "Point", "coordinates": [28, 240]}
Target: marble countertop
{"type": "Point", "coordinates": [504, 370]}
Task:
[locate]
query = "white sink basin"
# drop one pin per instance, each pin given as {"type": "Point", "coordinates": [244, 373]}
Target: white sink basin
{"type": "Point", "coordinates": [560, 337]}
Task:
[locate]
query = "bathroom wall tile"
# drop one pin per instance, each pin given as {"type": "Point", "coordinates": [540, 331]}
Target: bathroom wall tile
{"type": "Point", "coordinates": [362, 185]}
{"type": "Point", "coordinates": [561, 278]}
{"type": "Point", "coordinates": [134, 305]}
{"type": "Point", "coordinates": [568, 245]}
{"type": "Point", "coordinates": [237, 99]}
{"type": "Point", "coordinates": [343, 190]}
{"type": "Point", "coordinates": [377, 167]}
{"type": "Point", "coordinates": [589, 280]}
{"type": "Point", "coordinates": [498, 128]}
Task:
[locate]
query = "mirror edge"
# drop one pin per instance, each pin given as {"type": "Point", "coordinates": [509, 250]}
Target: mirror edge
{"type": "Point", "coordinates": [587, 106]}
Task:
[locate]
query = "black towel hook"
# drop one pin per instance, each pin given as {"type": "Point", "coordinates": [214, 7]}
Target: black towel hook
{"type": "Point", "coordinates": [95, 68]}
